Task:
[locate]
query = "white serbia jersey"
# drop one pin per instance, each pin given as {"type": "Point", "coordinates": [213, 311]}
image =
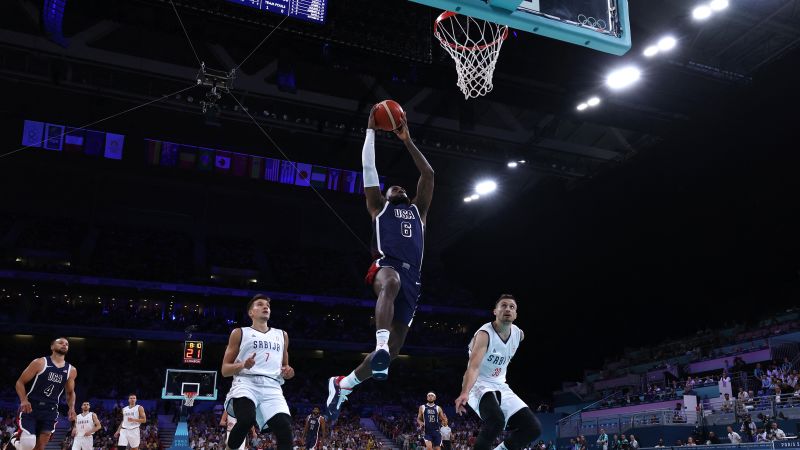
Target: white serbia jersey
{"type": "Point", "coordinates": [498, 354]}
{"type": "Point", "coordinates": [133, 413]}
{"type": "Point", "coordinates": [84, 424]}
{"type": "Point", "coordinates": [268, 348]}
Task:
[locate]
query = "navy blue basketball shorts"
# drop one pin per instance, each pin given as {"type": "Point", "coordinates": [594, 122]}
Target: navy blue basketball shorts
{"type": "Point", "coordinates": [42, 419]}
{"type": "Point", "coordinates": [405, 304]}
{"type": "Point", "coordinates": [435, 437]}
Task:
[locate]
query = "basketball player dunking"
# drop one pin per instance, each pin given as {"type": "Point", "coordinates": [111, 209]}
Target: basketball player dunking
{"type": "Point", "coordinates": [132, 417]}
{"type": "Point", "coordinates": [86, 424]}
{"type": "Point", "coordinates": [485, 388]}
{"type": "Point", "coordinates": [395, 275]}
{"type": "Point", "coordinates": [430, 419]}
{"type": "Point", "coordinates": [258, 359]}
{"type": "Point", "coordinates": [315, 430]}
{"type": "Point", "coordinates": [38, 409]}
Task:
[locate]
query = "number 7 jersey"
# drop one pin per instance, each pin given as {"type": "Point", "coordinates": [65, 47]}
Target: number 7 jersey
{"type": "Point", "coordinates": [498, 354]}
{"type": "Point", "coordinates": [399, 234]}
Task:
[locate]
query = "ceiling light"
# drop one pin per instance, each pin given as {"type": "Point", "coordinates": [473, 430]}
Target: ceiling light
{"type": "Point", "coordinates": [467, 199]}
{"type": "Point", "coordinates": [485, 187]}
{"type": "Point", "coordinates": [651, 51]}
{"type": "Point", "coordinates": [594, 101]}
{"type": "Point", "coordinates": [512, 164]}
{"type": "Point", "coordinates": [624, 77]}
{"type": "Point", "coordinates": [474, 196]}
{"type": "Point", "coordinates": [718, 5]}
{"type": "Point", "coordinates": [582, 106]}
{"type": "Point", "coordinates": [667, 43]}
{"type": "Point", "coordinates": [702, 12]}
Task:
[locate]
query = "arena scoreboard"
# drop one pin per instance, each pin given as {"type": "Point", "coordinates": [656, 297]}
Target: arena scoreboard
{"type": "Point", "coordinates": [192, 352]}
{"type": "Point", "coordinates": [308, 10]}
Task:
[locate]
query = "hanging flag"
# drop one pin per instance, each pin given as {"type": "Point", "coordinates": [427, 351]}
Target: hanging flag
{"type": "Point", "coordinates": [153, 152]}
{"type": "Point", "coordinates": [334, 175]}
{"type": "Point", "coordinates": [94, 143]}
{"type": "Point", "coordinates": [239, 164]}
{"type": "Point", "coordinates": [287, 172]}
{"type": "Point", "coordinates": [169, 154]}
{"type": "Point", "coordinates": [205, 159]}
{"type": "Point", "coordinates": [32, 134]}
{"type": "Point", "coordinates": [256, 167]}
{"type": "Point", "coordinates": [222, 162]}
{"type": "Point", "coordinates": [319, 176]}
{"type": "Point", "coordinates": [114, 144]}
{"type": "Point", "coordinates": [73, 140]}
{"type": "Point", "coordinates": [187, 157]}
{"type": "Point", "coordinates": [273, 169]}
{"type": "Point", "coordinates": [54, 135]}
{"type": "Point", "coordinates": [303, 174]}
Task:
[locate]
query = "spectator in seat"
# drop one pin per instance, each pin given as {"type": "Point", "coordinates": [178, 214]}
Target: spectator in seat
{"type": "Point", "coordinates": [634, 444]}
{"type": "Point", "coordinates": [776, 434]}
{"type": "Point", "coordinates": [602, 440]}
{"type": "Point", "coordinates": [761, 435]}
{"type": "Point", "coordinates": [734, 436]}
{"type": "Point", "coordinates": [614, 443]}
{"type": "Point", "coordinates": [690, 442]}
{"type": "Point", "coordinates": [758, 372]}
{"type": "Point", "coordinates": [748, 429]}
{"type": "Point", "coordinates": [727, 403]}
{"type": "Point", "coordinates": [712, 438]}
{"type": "Point", "coordinates": [660, 443]}
{"type": "Point", "coordinates": [622, 443]}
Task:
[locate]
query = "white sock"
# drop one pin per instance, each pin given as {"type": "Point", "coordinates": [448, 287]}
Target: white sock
{"type": "Point", "coordinates": [502, 446]}
{"type": "Point", "coordinates": [382, 340]}
{"type": "Point", "coordinates": [349, 382]}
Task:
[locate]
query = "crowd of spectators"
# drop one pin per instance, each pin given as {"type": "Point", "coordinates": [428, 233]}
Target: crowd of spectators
{"type": "Point", "coordinates": [133, 309]}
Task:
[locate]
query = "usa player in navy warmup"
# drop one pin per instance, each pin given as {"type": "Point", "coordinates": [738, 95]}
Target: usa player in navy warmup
{"type": "Point", "coordinates": [399, 229]}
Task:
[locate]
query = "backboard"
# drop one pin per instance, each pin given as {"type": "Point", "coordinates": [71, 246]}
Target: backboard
{"type": "Point", "coordinates": [602, 25]}
{"type": "Point", "coordinates": [179, 381]}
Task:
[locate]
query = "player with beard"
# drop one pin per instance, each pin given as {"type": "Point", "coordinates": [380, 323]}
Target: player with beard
{"type": "Point", "coordinates": [314, 431]}
{"type": "Point", "coordinates": [51, 376]}
{"type": "Point", "coordinates": [399, 228]}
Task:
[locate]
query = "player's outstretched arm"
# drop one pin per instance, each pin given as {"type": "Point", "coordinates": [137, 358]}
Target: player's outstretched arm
{"type": "Point", "coordinates": [97, 424]}
{"type": "Point", "coordinates": [442, 415]}
{"type": "Point", "coordinates": [420, 419]}
{"type": "Point", "coordinates": [142, 416]}
{"type": "Point", "coordinates": [36, 366]}
{"type": "Point", "coordinates": [372, 184]}
{"type": "Point", "coordinates": [425, 183]}
{"type": "Point", "coordinates": [323, 428]}
{"type": "Point", "coordinates": [479, 345]}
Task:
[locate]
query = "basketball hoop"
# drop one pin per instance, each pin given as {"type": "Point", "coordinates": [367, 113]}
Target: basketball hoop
{"type": "Point", "coordinates": [188, 398]}
{"type": "Point", "coordinates": [474, 44]}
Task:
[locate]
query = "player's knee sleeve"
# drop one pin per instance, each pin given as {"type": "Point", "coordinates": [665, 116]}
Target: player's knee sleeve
{"type": "Point", "coordinates": [281, 426]}
{"type": "Point", "coordinates": [524, 427]}
{"type": "Point", "coordinates": [493, 422]}
{"type": "Point", "coordinates": [25, 441]}
{"type": "Point", "coordinates": [245, 412]}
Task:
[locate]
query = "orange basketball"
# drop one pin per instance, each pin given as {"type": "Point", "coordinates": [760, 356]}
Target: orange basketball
{"type": "Point", "coordinates": [389, 115]}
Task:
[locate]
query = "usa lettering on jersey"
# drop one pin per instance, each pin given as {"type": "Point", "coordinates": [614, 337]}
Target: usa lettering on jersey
{"type": "Point", "coordinates": [55, 377]}
{"type": "Point", "coordinates": [405, 214]}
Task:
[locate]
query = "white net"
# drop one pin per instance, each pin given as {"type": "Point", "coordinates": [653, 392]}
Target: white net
{"type": "Point", "coordinates": [474, 45]}
{"type": "Point", "coordinates": [188, 398]}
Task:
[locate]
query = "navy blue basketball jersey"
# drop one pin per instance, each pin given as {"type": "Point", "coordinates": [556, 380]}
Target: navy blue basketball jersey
{"type": "Point", "coordinates": [431, 417]}
{"type": "Point", "coordinates": [399, 234]}
{"type": "Point", "coordinates": [313, 428]}
{"type": "Point", "coordinates": [49, 384]}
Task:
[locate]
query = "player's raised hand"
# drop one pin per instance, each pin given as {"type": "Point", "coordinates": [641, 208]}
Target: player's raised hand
{"type": "Point", "coordinates": [25, 407]}
{"type": "Point", "coordinates": [250, 362]}
{"type": "Point", "coordinates": [371, 121]}
{"type": "Point", "coordinates": [402, 131]}
{"type": "Point", "coordinates": [461, 403]}
{"type": "Point", "coordinates": [287, 372]}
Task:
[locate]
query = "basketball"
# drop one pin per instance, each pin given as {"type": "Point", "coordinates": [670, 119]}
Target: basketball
{"type": "Point", "coordinates": [389, 115]}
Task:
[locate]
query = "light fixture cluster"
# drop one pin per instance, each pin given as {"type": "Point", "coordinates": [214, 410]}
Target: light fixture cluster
{"type": "Point", "coordinates": [706, 10]}
{"type": "Point", "coordinates": [482, 189]}
{"type": "Point", "coordinates": [517, 163]}
{"type": "Point", "coordinates": [664, 45]}
{"type": "Point", "coordinates": [590, 103]}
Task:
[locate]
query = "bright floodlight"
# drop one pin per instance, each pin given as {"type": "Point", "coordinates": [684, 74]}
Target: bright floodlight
{"type": "Point", "coordinates": [651, 51]}
{"type": "Point", "coordinates": [622, 78]}
{"type": "Point", "coordinates": [485, 187]}
{"type": "Point", "coordinates": [467, 199]}
{"type": "Point", "coordinates": [474, 196]}
{"type": "Point", "coordinates": [582, 106]}
{"type": "Point", "coordinates": [702, 12]}
{"type": "Point", "coordinates": [512, 164]}
{"type": "Point", "coordinates": [594, 101]}
{"type": "Point", "coordinates": [718, 5]}
{"type": "Point", "coordinates": [667, 43]}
